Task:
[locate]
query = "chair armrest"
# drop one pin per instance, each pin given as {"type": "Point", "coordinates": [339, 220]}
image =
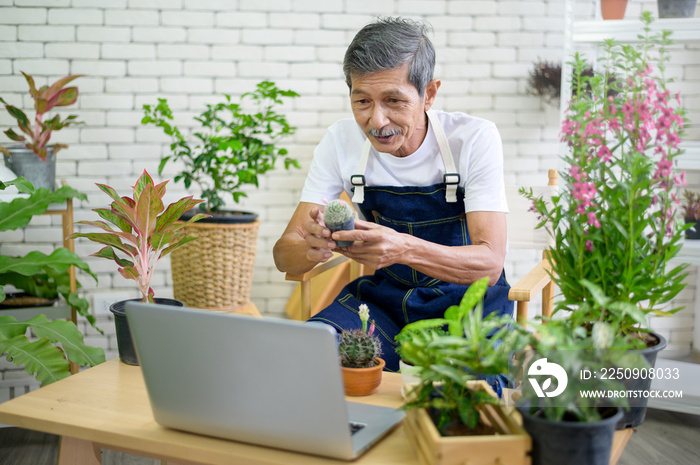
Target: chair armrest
{"type": "Point", "coordinates": [532, 283]}
{"type": "Point", "coordinates": [334, 261]}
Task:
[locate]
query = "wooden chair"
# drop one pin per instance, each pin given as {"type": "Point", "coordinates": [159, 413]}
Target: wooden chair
{"type": "Point", "coordinates": [319, 286]}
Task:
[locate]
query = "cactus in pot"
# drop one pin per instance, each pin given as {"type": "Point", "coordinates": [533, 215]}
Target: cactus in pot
{"type": "Point", "coordinates": [360, 348]}
{"type": "Point", "coordinates": [339, 216]}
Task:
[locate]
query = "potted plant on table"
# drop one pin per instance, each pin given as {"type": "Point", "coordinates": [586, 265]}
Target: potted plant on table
{"type": "Point", "coordinates": [453, 411]}
{"type": "Point", "coordinates": [139, 231]}
{"type": "Point", "coordinates": [360, 360]}
{"type": "Point", "coordinates": [563, 372]}
{"type": "Point", "coordinates": [235, 144]}
{"type": "Point", "coordinates": [614, 220]}
{"type": "Point", "coordinates": [35, 160]}
{"type": "Point", "coordinates": [58, 342]}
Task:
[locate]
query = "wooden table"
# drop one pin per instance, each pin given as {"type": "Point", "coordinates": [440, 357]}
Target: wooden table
{"type": "Point", "coordinates": [107, 407]}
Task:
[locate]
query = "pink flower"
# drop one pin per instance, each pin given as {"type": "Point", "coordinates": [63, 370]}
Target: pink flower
{"type": "Point", "coordinates": [589, 245]}
{"type": "Point", "coordinates": [604, 153]}
{"type": "Point", "coordinates": [593, 219]}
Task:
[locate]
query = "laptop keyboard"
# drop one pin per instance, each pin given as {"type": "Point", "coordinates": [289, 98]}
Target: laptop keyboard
{"type": "Point", "coordinates": [355, 427]}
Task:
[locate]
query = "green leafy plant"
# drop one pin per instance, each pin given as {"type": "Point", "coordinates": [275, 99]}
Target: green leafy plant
{"type": "Point", "coordinates": [37, 273]}
{"type": "Point", "coordinates": [449, 352]}
{"type": "Point", "coordinates": [146, 230]}
{"type": "Point", "coordinates": [576, 350]}
{"type": "Point", "coordinates": [36, 136]}
{"type": "Point", "coordinates": [232, 148]}
{"type": "Point", "coordinates": [614, 219]}
{"type": "Point", "coordinates": [360, 348]}
{"type": "Point", "coordinates": [57, 343]}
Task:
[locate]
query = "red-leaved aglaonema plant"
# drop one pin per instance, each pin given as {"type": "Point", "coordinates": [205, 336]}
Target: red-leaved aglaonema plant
{"type": "Point", "coordinates": [45, 99]}
{"type": "Point", "coordinates": [146, 230]}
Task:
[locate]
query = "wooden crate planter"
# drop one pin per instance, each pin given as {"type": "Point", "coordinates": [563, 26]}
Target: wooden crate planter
{"type": "Point", "coordinates": [511, 446]}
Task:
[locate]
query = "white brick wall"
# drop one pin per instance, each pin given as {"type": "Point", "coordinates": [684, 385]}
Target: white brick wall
{"type": "Point", "coordinates": [189, 51]}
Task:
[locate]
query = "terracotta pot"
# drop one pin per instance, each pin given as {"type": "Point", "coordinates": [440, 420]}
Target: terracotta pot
{"type": "Point", "coordinates": [613, 9]}
{"type": "Point", "coordinates": [362, 381]}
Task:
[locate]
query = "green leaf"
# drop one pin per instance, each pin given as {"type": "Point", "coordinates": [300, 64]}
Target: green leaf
{"type": "Point", "coordinates": [32, 263]}
{"type": "Point", "coordinates": [108, 252]}
{"type": "Point", "coordinates": [71, 340]}
{"type": "Point", "coordinates": [14, 136]}
{"type": "Point", "coordinates": [18, 212]}
{"type": "Point", "coordinates": [42, 357]}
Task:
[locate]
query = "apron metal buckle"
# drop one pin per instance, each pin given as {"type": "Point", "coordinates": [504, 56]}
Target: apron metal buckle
{"type": "Point", "coordinates": [451, 178]}
{"type": "Point", "coordinates": [361, 181]}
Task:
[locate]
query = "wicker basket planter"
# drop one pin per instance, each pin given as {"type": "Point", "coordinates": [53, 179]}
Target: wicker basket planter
{"type": "Point", "coordinates": [510, 446]}
{"type": "Point", "coordinates": [215, 272]}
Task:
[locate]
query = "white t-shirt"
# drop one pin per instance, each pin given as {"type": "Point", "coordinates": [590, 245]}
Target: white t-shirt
{"type": "Point", "coordinates": [476, 149]}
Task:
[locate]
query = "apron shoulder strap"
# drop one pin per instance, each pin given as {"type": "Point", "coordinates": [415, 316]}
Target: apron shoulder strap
{"type": "Point", "coordinates": [451, 178]}
{"type": "Point", "coordinates": [358, 180]}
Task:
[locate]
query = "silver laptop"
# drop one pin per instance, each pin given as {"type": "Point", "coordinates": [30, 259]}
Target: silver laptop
{"type": "Point", "coordinates": [270, 382]}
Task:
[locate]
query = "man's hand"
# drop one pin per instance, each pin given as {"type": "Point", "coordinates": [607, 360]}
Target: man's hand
{"type": "Point", "coordinates": [375, 246]}
{"type": "Point", "coordinates": [318, 237]}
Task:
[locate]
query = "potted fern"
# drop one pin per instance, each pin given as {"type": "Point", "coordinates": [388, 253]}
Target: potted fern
{"type": "Point", "coordinates": [234, 144]}
{"type": "Point", "coordinates": [34, 159]}
{"type": "Point", "coordinates": [137, 232]}
{"type": "Point", "coordinates": [360, 361]}
{"type": "Point", "coordinates": [57, 343]}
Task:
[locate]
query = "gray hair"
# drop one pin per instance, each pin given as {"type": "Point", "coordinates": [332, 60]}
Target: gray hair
{"type": "Point", "coordinates": [390, 43]}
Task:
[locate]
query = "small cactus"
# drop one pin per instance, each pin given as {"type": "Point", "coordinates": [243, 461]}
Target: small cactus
{"type": "Point", "coordinates": [339, 216]}
{"type": "Point", "coordinates": [360, 348]}
{"type": "Point", "coordinates": [337, 212]}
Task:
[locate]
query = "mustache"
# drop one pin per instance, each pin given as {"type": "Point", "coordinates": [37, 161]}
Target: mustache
{"type": "Point", "coordinates": [383, 132]}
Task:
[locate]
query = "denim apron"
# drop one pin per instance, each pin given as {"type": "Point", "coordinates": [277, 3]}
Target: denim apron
{"type": "Point", "coordinates": [398, 294]}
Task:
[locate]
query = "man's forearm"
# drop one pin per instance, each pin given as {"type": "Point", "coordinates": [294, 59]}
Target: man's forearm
{"type": "Point", "coordinates": [290, 256]}
{"type": "Point", "coordinates": [456, 264]}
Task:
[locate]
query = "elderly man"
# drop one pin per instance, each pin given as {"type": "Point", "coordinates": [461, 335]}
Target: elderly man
{"type": "Point", "coordinates": [429, 185]}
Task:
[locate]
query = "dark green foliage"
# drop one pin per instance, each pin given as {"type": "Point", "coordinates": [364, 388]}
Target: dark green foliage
{"type": "Point", "coordinates": [232, 147]}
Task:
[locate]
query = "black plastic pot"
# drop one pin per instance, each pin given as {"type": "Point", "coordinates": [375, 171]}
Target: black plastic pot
{"type": "Point", "coordinates": [571, 442]}
{"type": "Point", "coordinates": [125, 343]}
{"type": "Point", "coordinates": [349, 225]}
{"type": "Point", "coordinates": [635, 415]}
{"type": "Point", "coordinates": [222, 216]}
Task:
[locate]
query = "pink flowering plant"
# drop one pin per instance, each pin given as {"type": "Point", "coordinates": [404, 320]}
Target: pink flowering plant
{"type": "Point", "coordinates": [614, 220]}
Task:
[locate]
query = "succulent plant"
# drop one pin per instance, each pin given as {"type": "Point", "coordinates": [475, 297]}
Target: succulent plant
{"type": "Point", "coordinates": [339, 216]}
{"type": "Point", "coordinates": [360, 348]}
{"type": "Point", "coordinates": [45, 98]}
{"type": "Point", "coordinates": [337, 212]}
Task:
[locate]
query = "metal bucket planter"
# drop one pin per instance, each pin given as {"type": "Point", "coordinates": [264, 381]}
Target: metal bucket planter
{"type": "Point", "coordinates": [24, 162]}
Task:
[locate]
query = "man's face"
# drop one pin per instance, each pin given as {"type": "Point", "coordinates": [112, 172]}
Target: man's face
{"type": "Point", "coordinates": [390, 111]}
